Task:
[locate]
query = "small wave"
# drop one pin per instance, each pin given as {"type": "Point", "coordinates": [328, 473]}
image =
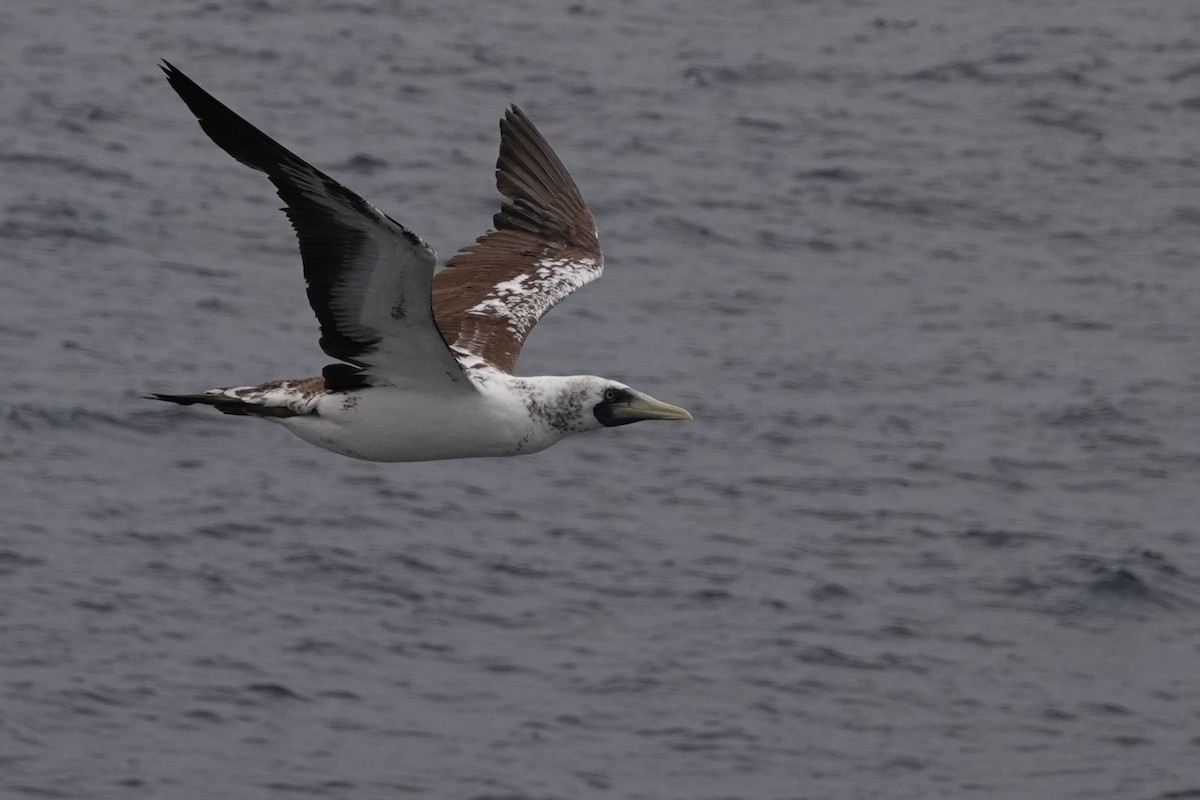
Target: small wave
{"type": "Point", "coordinates": [832, 174]}
{"type": "Point", "coordinates": [760, 123]}
{"type": "Point", "coordinates": [316, 788]}
{"type": "Point", "coordinates": [70, 166]}
{"type": "Point", "coordinates": [691, 229]}
{"type": "Point", "coordinates": [1070, 120]}
{"type": "Point", "coordinates": [1002, 537]}
{"type": "Point", "coordinates": [1145, 582]}
{"type": "Point", "coordinates": [32, 417]}
{"type": "Point", "coordinates": [362, 164]}
{"type": "Point", "coordinates": [232, 530]}
{"type": "Point", "coordinates": [754, 73]}
{"type": "Point", "coordinates": [1088, 590]}
{"type": "Point", "coordinates": [1096, 412]}
{"type": "Point", "coordinates": [1007, 66]}
{"type": "Point", "coordinates": [830, 592]}
{"type": "Point", "coordinates": [959, 69]}
{"type": "Point", "coordinates": [1122, 582]}
{"type": "Point", "coordinates": [24, 230]}
{"type": "Point", "coordinates": [194, 269]}
{"type": "Point", "coordinates": [833, 657]}
{"type": "Point", "coordinates": [272, 691]}
{"type": "Point", "coordinates": [1078, 322]}
{"type": "Point", "coordinates": [11, 561]}
{"type": "Point", "coordinates": [252, 694]}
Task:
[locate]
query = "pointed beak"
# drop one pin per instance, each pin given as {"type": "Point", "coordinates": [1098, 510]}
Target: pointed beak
{"type": "Point", "coordinates": [642, 406]}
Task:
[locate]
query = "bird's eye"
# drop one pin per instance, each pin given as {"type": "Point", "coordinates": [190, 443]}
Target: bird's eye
{"type": "Point", "coordinates": [610, 394]}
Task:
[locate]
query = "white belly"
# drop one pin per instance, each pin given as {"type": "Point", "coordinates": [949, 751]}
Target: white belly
{"type": "Point", "coordinates": [390, 424]}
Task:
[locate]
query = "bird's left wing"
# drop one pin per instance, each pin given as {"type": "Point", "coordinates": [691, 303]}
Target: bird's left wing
{"type": "Point", "coordinates": [369, 278]}
{"type": "Point", "coordinates": [543, 248]}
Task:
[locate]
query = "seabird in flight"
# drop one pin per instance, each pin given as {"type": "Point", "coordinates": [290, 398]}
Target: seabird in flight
{"type": "Point", "coordinates": [427, 360]}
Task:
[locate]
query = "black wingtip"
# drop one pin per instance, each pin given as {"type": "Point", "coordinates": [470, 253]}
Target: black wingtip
{"type": "Point", "coordinates": [176, 77]}
{"type": "Point", "coordinates": [227, 129]}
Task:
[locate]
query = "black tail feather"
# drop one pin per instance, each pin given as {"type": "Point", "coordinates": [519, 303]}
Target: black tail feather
{"type": "Point", "coordinates": [226, 404]}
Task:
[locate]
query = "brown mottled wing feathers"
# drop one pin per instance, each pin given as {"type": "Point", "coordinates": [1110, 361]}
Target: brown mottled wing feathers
{"type": "Point", "coordinates": [543, 248]}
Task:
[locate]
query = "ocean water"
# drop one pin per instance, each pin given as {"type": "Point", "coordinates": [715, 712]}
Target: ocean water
{"type": "Point", "coordinates": [928, 275]}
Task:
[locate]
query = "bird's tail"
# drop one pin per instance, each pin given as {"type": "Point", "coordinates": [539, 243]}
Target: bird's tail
{"type": "Point", "coordinates": [275, 400]}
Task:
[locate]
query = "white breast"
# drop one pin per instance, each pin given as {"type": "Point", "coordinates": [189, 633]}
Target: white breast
{"type": "Point", "coordinates": [386, 423]}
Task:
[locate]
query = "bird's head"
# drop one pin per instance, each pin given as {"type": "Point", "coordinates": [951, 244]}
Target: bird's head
{"type": "Point", "coordinates": [615, 404]}
{"type": "Point", "coordinates": [585, 402]}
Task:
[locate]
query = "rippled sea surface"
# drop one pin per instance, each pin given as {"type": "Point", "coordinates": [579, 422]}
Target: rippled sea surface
{"type": "Point", "coordinates": [927, 273]}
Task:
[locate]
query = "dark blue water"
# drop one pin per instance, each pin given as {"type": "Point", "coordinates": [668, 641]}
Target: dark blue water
{"type": "Point", "coordinates": [928, 274]}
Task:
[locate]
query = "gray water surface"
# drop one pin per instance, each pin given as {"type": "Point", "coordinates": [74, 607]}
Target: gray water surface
{"type": "Point", "coordinates": [926, 273]}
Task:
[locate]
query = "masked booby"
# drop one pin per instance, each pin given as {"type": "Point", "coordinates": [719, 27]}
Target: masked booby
{"type": "Point", "coordinates": [426, 360]}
